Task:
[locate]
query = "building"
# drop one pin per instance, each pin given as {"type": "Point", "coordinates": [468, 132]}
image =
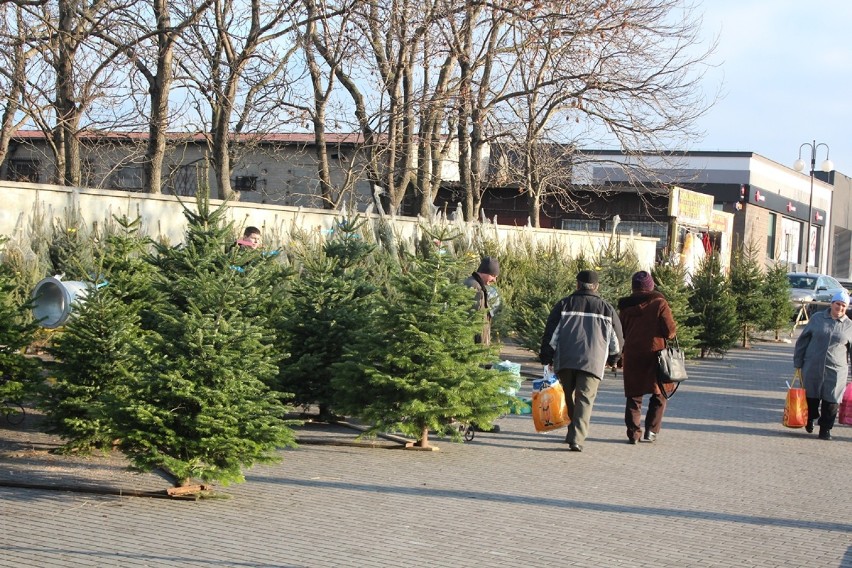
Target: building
{"type": "Point", "coordinates": [769, 204]}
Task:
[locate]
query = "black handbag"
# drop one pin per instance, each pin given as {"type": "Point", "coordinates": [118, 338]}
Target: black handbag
{"type": "Point", "coordinates": [671, 368]}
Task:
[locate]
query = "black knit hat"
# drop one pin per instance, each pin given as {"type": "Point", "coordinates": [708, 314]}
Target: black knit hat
{"type": "Point", "coordinates": [489, 265]}
{"type": "Point", "coordinates": [587, 277]}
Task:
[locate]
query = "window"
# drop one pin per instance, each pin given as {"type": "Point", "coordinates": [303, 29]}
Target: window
{"type": "Point", "coordinates": [23, 170]}
{"type": "Point", "coordinates": [581, 225]}
{"type": "Point", "coordinates": [128, 178]}
{"type": "Point", "coordinates": [183, 180]}
{"type": "Point", "coordinates": [770, 236]}
{"type": "Point", "coordinates": [245, 183]}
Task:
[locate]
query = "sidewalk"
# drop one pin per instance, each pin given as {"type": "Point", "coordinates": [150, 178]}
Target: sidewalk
{"type": "Point", "coordinates": [724, 485]}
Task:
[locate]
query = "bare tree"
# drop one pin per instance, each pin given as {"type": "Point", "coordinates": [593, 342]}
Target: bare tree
{"type": "Point", "coordinates": [220, 56]}
{"type": "Point", "coordinates": [14, 54]}
{"type": "Point", "coordinates": [627, 69]}
{"type": "Point", "coordinates": [150, 46]}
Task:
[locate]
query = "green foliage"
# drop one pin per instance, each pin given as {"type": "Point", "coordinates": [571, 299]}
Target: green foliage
{"type": "Point", "coordinates": [99, 352]}
{"type": "Point", "coordinates": [418, 367]}
{"type": "Point", "coordinates": [71, 248]}
{"type": "Point", "coordinates": [776, 291]}
{"type": "Point", "coordinates": [124, 265]}
{"type": "Point", "coordinates": [205, 409]}
{"type": "Point", "coordinates": [538, 282]}
{"type": "Point", "coordinates": [714, 307]}
{"type": "Point", "coordinates": [18, 373]}
{"type": "Point", "coordinates": [616, 265]}
{"type": "Point", "coordinates": [331, 303]}
{"type": "Point", "coordinates": [747, 286]}
{"type": "Point", "coordinates": [670, 280]}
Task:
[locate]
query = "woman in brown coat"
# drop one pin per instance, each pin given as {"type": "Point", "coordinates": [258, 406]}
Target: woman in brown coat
{"type": "Point", "coordinates": [647, 321]}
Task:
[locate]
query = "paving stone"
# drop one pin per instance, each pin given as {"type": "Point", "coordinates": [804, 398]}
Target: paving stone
{"type": "Point", "coordinates": [724, 485]}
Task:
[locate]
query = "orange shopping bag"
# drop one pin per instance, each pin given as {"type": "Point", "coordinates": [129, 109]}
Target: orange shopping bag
{"type": "Point", "coordinates": [549, 410]}
{"type": "Point", "coordinates": [796, 407]}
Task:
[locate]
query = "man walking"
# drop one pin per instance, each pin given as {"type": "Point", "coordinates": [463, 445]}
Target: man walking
{"type": "Point", "coordinates": [582, 335]}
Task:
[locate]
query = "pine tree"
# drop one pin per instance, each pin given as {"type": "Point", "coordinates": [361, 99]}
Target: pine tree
{"type": "Point", "coordinates": [19, 374]}
{"type": "Point", "coordinates": [776, 291]}
{"type": "Point", "coordinates": [125, 267]}
{"type": "Point", "coordinates": [331, 303]}
{"type": "Point", "coordinates": [714, 307]}
{"type": "Point", "coordinates": [538, 284]}
{"type": "Point", "coordinates": [671, 283]}
{"type": "Point", "coordinates": [98, 353]}
{"type": "Point", "coordinates": [616, 265]}
{"type": "Point", "coordinates": [205, 409]}
{"type": "Point", "coordinates": [747, 286]}
{"type": "Point", "coordinates": [419, 368]}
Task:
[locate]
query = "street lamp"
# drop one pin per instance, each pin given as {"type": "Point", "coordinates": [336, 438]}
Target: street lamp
{"type": "Point", "coordinates": [799, 165]}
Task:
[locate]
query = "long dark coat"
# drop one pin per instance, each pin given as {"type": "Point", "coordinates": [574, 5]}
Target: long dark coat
{"type": "Point", "coordinates": [647, 321]}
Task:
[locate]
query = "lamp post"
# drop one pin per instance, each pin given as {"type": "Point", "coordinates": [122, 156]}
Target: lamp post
{"type": "Point", "coordinates": [799, 165]}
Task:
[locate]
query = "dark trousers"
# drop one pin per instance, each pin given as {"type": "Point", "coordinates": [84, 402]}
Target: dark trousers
{"type": "Point", "coordinates": [653, 418]}
{"type": "Point", "coordinates": [827, 415]}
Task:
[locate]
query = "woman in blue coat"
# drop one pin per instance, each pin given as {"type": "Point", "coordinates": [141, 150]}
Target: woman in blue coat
{"type": "Point", "coordinates": [822, 354]}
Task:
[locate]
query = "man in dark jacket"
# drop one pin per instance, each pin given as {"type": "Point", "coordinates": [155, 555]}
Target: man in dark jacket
{"type": "Point", "coordinates": [480, 281]}
{"type": "Point", "coordinates": [582, 335]}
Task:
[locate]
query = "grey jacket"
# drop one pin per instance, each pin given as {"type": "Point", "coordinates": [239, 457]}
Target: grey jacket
{"type": "Point", "coordinates": [821, 352]}
{"type": "Point", "coordinates": [582, 333]}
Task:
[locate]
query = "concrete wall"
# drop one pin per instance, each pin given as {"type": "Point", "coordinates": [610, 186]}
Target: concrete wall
{"type": "Point", "coordinates": [162, 218]}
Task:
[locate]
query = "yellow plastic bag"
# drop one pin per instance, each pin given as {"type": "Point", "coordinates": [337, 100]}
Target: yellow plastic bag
{"type": "Point", "coordinates": [549, 410]}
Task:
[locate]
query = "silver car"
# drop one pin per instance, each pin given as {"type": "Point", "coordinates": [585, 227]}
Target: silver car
{"type": "Point", "coordinates": [809, 287]}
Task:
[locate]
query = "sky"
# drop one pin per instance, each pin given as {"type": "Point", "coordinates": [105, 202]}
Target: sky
{"type": "Point", "coordinates": [784, 72]}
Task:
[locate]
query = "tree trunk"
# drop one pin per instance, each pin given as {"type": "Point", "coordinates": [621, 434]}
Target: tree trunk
{"type": "Point", "coordinates": [423, 442]}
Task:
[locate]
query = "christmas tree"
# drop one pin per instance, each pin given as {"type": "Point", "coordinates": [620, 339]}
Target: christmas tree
{"type": "Point", "coordinates": [714, 307]}
{"type": "Point", "coordinates": [776, 290]}
{"type": "Point", "coordinates": [419, 368]}
{"type": "Point", "coordinates": [98, 353]}
{"type": "Point", "coordinates": [333, 302]}
{"type": "Point", "coordinates": [18, 373]}
{"type": "Point", "coordinates": [205, 410]}
{"type": "Point", "coordinates": [671, 283]}
{"type": "Point", "coordinates": [747, 285]}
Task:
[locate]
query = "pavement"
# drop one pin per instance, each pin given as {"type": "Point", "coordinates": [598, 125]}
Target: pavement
{"type": "Point", "coordinates": [725, 485]}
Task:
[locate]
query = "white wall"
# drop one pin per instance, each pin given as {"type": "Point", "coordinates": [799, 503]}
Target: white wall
{"type": "Point", "coordinates": [162, 218]}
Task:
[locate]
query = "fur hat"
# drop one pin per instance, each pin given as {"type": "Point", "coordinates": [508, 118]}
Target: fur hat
{"type": "Point", "coordinates": [489, 265]}
{"type": "Point", "coordinates": [840, 296]}
{"type": "Point", "coordinates": [643, 281]}
{"type": "Point", "coordinates": [587, 277]}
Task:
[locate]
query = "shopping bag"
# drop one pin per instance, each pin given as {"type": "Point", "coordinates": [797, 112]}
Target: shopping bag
{"type": "Point", "coordinates": [844, 416]}
{"type": "Point", "coordinates": [796, 406]}
{"type": "Point", "coordinates": [549, 410]}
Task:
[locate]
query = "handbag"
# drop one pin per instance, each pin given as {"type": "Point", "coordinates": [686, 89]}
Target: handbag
{"type": "Point", "coordinates": [671, 363]}
{"type": "Point", "coordinates": [549, 410]}
{"type": "Point", "coordinates": [671, 368]}
{"type": "Point", "coordinates": [845, 414]}
{"type": "Point", "coordinates": [796, 405]}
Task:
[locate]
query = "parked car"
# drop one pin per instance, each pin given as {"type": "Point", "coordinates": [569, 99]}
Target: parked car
{"type": "Point", "coordinates": [810, 287]}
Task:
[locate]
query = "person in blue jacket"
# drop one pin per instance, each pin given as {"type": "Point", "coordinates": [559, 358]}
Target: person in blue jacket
{"type": "Point", "coordinates": [582, 335]}
{"type": "Point", "coordinates": [821, 353]}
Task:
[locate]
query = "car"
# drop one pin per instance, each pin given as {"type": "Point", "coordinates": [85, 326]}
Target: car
{"type": "Point", "coordinates": [812, 287]}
